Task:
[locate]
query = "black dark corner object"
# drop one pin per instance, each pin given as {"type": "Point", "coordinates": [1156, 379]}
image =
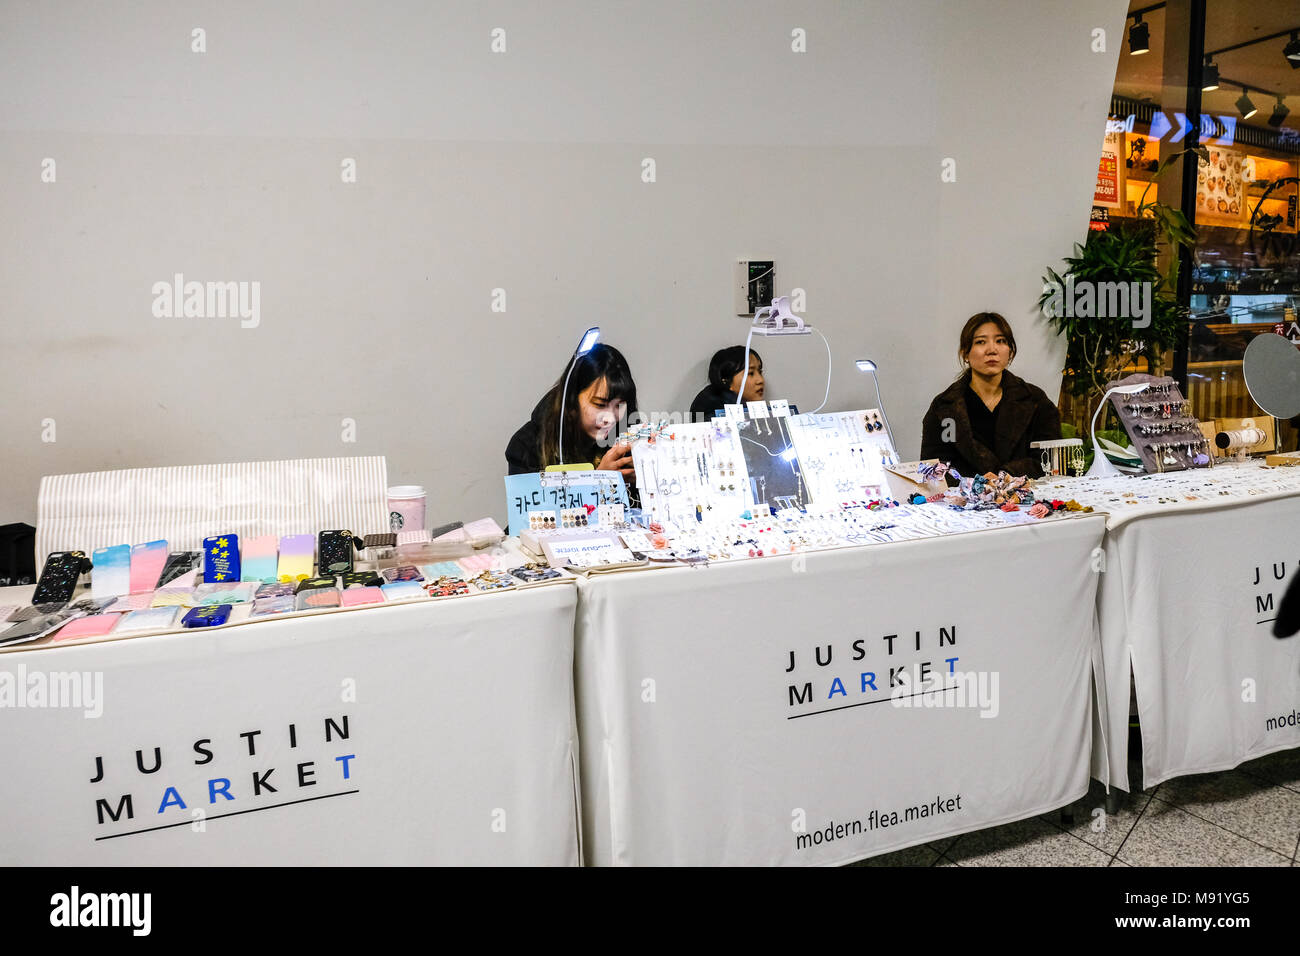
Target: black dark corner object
{"type": "Point", "coordinates": [17, 554]}
{"type": "Point", "coordinates": [1288, 612]}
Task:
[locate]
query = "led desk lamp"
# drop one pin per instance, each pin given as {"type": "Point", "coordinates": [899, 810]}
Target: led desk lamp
{"type": "Point", "coordinates": [1101, 465]}
{"type": "Point", "coordinates": [584, 346]}
{"type": "Point", "coordinates": [868, 366]}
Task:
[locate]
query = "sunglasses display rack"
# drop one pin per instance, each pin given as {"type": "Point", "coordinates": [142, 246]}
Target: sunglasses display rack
{"type": "Point", "coordinates": [1160, 425]}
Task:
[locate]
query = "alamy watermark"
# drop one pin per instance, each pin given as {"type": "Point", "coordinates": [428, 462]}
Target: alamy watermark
{"type": "Point", "coordinates": [973, 689]}
{"type": "Point", "coordinates": [1085, 299]}
{"type": "Point", "coordinates": [82, 690]}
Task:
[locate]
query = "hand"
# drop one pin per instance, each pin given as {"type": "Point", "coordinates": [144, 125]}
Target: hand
{"type": "Point", "coordinates": [618, 458]}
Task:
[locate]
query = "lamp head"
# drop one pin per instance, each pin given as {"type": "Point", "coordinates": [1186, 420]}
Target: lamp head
{"type": "Point", "coordinates": [788, 454]}
{"type": "Point", "coordinates": [1130, 389]}
{"type": "Point", "coordinates": [865, 365]}
{"type": "Point", "coordinates": [588, 341]}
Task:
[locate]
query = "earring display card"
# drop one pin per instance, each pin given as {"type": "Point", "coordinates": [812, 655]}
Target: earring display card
{"type": "Point", "coordinates": [111, 575]}
{"type": "Point", "coordinates": [714, 471]}
{"type": "Point", "coordinates": [260, 558]}
{"type": "Point", "coordinates": [1160, 425]}
{"type": "Point", "coordinates": [297, 557]}
{"type": "Point", "coordinates": [147, 563]}
{"type": "Point", "coordinates": [221, 558]}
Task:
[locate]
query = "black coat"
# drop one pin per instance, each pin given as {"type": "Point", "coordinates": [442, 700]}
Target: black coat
{"type": "Point", "coordinates": [709, 400]}
{"type": "Point", "coordinates": [1025, 414]}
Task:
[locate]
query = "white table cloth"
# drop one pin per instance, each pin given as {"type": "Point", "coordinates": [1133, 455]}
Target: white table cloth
{"type": "Point", "coordinates": [1186, 606]}
{"type": "Point", "coordinates": [425, 733]}
{"type": "Point", "coordinates": [702, 746]}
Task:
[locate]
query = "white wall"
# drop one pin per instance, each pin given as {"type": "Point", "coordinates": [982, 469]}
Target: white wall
{"type": "Point", "coordinates": [518, 170]}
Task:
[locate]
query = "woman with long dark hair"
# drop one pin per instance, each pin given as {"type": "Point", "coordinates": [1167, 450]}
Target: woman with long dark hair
{"type": "Point", "coordinates": [601, 396]}
{"type": "Point", "coordinates": [726, 370]}
{"type": "Point", "coordinates": [986, 419]}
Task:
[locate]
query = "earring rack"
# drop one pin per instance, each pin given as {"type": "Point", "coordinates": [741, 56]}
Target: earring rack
{"type": "Point", "coordinates": [707, 472]}
{"type": "Point", "coordinates": [1160, 425]}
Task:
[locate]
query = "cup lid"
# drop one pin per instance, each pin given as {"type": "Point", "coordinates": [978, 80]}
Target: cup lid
{"type": "Point", "coordinates": [406, 491]}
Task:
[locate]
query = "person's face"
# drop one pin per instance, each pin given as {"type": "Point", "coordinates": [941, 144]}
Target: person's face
{"type": "Point", "coordinates": [754, 387]}
{"type": "Point", "coordinates": [599, 413]}
{"type": "Point", "coordinates": [989, 352]}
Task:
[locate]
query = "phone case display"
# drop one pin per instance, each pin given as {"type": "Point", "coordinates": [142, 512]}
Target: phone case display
{"type": "Point", "coordinates": [278, 604]}
{"type": "Point", "coordinates": [221, 593]}
{"type": "Point", "coordinates": [401, 590]}
{"type": "Point", "coordinates": [131, 602]}
{"type": "Point", "coordinates": [34, 629]}
{"type": "Point", "coordinates": [58, 580]}
{"type": "Point", "coordinates": [379, 550]}
{"type": "Point", "coordinates": [308, 584]}
{"type": "Point", "coordinates": [1160, 425]}
{"type": "Point", "coordinates": [334, 550]}
{"type": "Point", "coordinates": [32, 611]}
{"type": "Point", "coordinates": [111, 574]}
{"type": "Point", "coordinates": [405, 572]}
{"type": "Point", "coordinates": [147, 562]}
{"type": "Point", "coordinates": [181, 569]}
{"type": "Point", "coordinates": [173, 597]}
{"type": "Point", "coordinates": [221, 558]}
{"type": "Point", "coordinates": [92, 625]}
{"type": "Point", "coordinates": [450, 569]}
{"type": "Point", "coordinates": [474, 562]}
{"type": "Point", "coordinates": [318, 597]}
{"type": "Point", "coordinates": [278, 589]}
{"type": "Point", "coordinates": [354, 597]}
{"type": "Point", "coordinates": [260, 558]}
{"type": "Point", "coordinates": [210, 615]}
{"type": "Point", "coordinates": [361, 579]}
{"type": "Point", "coordinates": [150, 619]}
{"type": "Point", "coordinates": [297, 557]}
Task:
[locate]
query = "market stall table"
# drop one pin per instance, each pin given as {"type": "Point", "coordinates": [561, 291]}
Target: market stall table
{"type": "Point", "coordinates": [1196, 563]}
{"type": "Point", "coordinates": [431, 732]}
{"type": "Point", "coordinates": [741, 713]}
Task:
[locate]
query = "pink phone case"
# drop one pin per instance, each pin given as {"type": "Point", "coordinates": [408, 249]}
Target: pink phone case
{"type": "Point", "coordinates": [87, 626]}
{"type": "Point", "coordinates": [147, 562]}
{"type": "Point", "coordinates": [368, 595]}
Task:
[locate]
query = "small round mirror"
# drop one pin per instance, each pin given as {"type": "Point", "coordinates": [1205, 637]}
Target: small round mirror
{"type": "Point", "coordinates": [1271, 366]}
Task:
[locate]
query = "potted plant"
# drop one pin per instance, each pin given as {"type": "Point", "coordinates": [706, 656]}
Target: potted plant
{"type": "Point", "coordinates": [1100, 346]}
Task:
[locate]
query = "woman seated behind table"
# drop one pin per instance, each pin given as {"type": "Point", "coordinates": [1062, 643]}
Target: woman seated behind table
{"type": "Point", "coordinates": [601, 395]}
{"type": "Point", "coordinates": [726, 370]}
{"type": "Point", "coordinates": [986, 419]}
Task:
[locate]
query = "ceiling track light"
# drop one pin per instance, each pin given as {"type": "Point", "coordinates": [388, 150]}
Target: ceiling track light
{"type": "Point", "coordinates": [1139, 37]}
{"type": "Point", "coordinates": [1245, 106]}
{"type": "Point", "coordinates": [1292, 50]}
{"type": "Point", "coordinates": [1209, 76]}
{"type": "Point", "coordinates": [1280, 112]}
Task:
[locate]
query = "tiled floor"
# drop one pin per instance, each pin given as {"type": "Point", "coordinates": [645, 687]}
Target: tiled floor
{"type": "Point", "coordinates": [1249, 816]}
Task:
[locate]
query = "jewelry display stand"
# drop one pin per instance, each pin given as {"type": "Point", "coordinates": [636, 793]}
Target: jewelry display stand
{"type": "Point", "coordinates": [1060, 455]}
{"type": "Point", "coordinates": [716, 471]}
{"type": "Point", "coordinates": [1160, 425]}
